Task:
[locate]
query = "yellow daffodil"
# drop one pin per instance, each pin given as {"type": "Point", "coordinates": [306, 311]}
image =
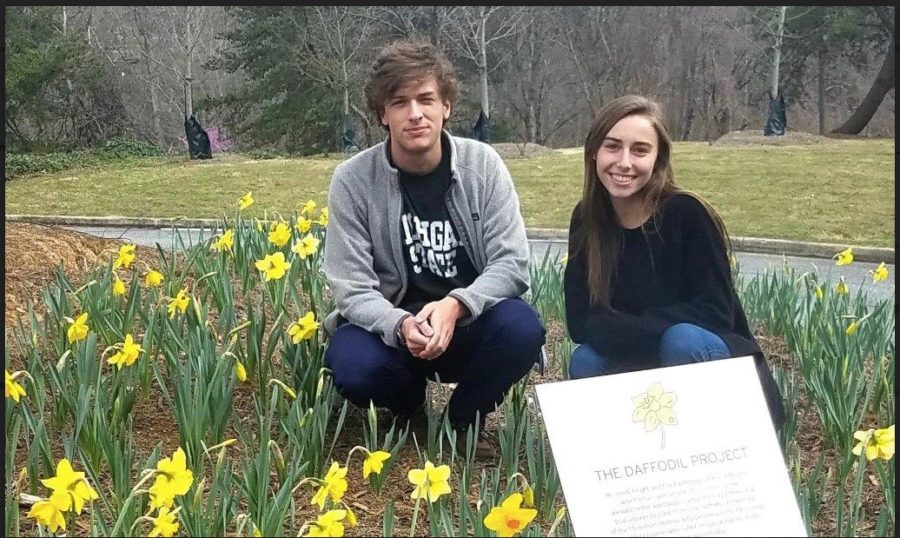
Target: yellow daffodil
{"type": "Point", "coordinates": [173, 478]}
{"type": "Point", "coordinates": [334, 485]}
{"type": "Point", "coordinates": [841, 287]}
{"type": "Point", "coordinates": [304, 328]}
{"type": "Point", "coordinates": [165, 523]}
{"type": "Point", "coordinates": [328, 524]}
{"type": "Point", "coordinates": [308, 208]}
{"type": "Point", "coordinates": [153, 278]}
{"type": "Point", "coordinates": [509, 518]}
{"type": "Point", "coordinates": [323, 217]}
{"type": "Point", "coordinates": [280, 234]}
{"type": "Point", "coordinates": [351, 517]}
{"type": "Point", "coordinates": [851, 329]}
{"type": "Point", "coordinates": [564, 260]}
{"type": "Point", "coordinates": [880, 273]}
{"type": "Point", "coordinates": [306, 246]}
{"type": "Point", "coordinates": [654, 408]}
{"type": "Point", "coordinates": [845, 257]}
{"type": "Point", "coordinates": [303, 225]}
{"type": "Point", "coordinates": [180, 302]}
{"type": "Point", "coordinates": [126, 256]}
{"type": "Point", "coordinates": [118, 287]}
{"type": "Point", "coordinates": [877, 443]}
{"type": "Point", "coordinates": [224, 242]}
{"type": "Point", "coordinates": [430, 482]}
{"type": "Point", "coordinates": [127, 355]}
{"type": "Point", "coordinates": [78, 330]}
{"type": "Point", "coordinates": [13, 389]}
{"type": "Point", "coordinates": [240, 371]}
{"type": "Point", "coordinates": [273, 266]}
{"type": "Point", "coordinates": [820, 293]}
{"type": "Point", "coordinates": [72, 484]}
{"type": "Point", "coordinates": [374, 462]}
{"type": "Point", "coordinates": [245, 201]}
{"type": "Point", "coordinates": [49, 513]}
{"type": "Point", "coordinates": [528, 497]}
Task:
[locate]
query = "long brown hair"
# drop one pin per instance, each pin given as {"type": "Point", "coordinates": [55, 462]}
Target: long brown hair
{"type": "Point", "coordinates": [599, 241]}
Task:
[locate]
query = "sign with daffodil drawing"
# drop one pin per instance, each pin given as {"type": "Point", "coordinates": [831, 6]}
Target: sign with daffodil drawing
{"type": "Point", "coordinates": [684, 450]}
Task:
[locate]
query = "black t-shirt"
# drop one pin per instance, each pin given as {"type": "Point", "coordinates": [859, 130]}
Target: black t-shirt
{"type": "Point", "coordinates": [436, 262]}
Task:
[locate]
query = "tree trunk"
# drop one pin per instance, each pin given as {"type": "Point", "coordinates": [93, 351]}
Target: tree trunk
{"type": "Point", "coordinates": [435, 27]}
{"type": "Point", "coordinates": [884, 83]}
{"type": "Point", "coordinates": [483, 68]}
{"type": "Point", "coordinates": [779, 36]}
{"type": "Point", "coordinates": [821, 77]}
{"type": "Point", "coordinates": [189, 77]}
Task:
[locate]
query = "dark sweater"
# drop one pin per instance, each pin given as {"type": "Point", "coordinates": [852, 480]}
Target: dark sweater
{"type": "Point", "coordinates": [673, 270]}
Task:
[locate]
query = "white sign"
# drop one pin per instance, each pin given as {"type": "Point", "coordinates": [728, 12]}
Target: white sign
{"type": "Point", "coordinates": [685, 450]}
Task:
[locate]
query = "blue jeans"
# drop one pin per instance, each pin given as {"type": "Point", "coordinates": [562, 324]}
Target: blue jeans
{"type": "Point", "coordinates": [484, 358]}
{"type": "Point", "coordinates": [683, 343]}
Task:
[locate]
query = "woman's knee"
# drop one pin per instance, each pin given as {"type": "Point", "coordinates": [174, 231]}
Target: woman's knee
{"type": "Point", "coordinates": [585, 362]}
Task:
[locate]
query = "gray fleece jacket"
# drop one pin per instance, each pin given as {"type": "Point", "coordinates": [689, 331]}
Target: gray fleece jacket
{"type": "Point", "coordinates": [363, 260]}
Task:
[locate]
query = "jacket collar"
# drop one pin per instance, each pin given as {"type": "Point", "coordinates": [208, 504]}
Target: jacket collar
{"type": "Point", "coordinates": [386, 162]}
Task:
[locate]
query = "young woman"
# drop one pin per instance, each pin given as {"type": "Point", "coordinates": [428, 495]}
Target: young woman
{"type": "Point", "coordinates": [648, 283]}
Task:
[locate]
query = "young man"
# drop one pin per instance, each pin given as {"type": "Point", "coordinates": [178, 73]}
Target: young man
{"type": "Point", "coordinates": [426, 255]}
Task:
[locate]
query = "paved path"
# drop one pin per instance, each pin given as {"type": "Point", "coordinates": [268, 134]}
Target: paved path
{"type": "Point", "coordinates": [856, 274]}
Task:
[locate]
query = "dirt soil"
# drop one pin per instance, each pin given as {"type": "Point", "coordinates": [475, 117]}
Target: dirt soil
{"type": "Point", "coordinates": [32, 251]}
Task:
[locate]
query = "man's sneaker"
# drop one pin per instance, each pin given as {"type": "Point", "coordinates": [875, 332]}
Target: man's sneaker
{"type": "Point", "coordinates": [483, 446]}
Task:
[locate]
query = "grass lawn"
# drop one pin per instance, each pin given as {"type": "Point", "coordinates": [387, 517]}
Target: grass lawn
{"type": "Point", "coordinates": [837, 192]}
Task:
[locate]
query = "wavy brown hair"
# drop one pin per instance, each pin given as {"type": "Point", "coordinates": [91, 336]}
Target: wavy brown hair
{"type": "Point", "coordinates": [403, 62]}
{"type": "Point", "coordinates": [600, 240]}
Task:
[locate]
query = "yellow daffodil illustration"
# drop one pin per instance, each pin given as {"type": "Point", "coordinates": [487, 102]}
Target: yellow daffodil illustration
{"type": "Point", "coordinates": [13, 389]}
{"type": "Point", "coordinates": [654, 409]}
{"type": "Point", "coordinates": [125, 258]}
{"type": "Point", "coordinates": [374, 462]}
{"type": "Point", "coordinates": [72, 484]}
{"type": "Point", "coordinates": [173, 478]}
{"type": "Point", "coordinates": [245, 201]}
{"type": "Point", "coordinates": [78, 330]}
{"type": "Point", "coordinates": [880, 273]}
{"type": "Point", "coordinates": [273, 266]}
{"type": "Point", "coordinates": [306, 246]}
{"type": "Point", "coordinates": [225, 242]}
{"type": "Point", "coordinates": [430, 482]}
{"type": "Point", "coordinates": [334, 485]}
{"type": "Point", "coordinates": [304, 328]}
{"type": "Point", "coordinates": [153, 279]}
{"type": "Point", "coordinates": [844, 257]}
{"type": "Point", "coordinates": [509, 518]}
{"type": "Point", "coordinates": [280, 234]}
{"type": "Point", "coordinates": [127, 354]}
{"type": "Point", "coordinates": [876, 443]}
{"type": "Point", "coordinates": [165, 523]}
{"type": "Point", "coordinates": [179, 303]}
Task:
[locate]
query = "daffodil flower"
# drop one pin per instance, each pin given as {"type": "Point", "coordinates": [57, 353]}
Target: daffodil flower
{"type": "Point", "coordinates": [78, 330]}
{"type": "Point", "coordinates": [851, 329]}
{"type": "Point", "coordinates": [374, 462]}
{"type": "Point", "coordinates": [306, 246]}
{"type": "Point", "coordinates": [303, 225]}
{"type": "Point", "coordinates": [280, 234]}
{"type": "Point", "coordinates": [304, 328]}
{"type": "Point", "coordinates": [328, 524]}
{"type": "Point", "coordinates": [844, 257]}
{"type": "Point", "coordinates": [127, 355]}
{"type": "Point", "coordinates": [841, 287]}
{"type": "Point", "coordinates": [179, 303]}
{"type": "Point", "coordinates": [126, 256]}
{"type": "Point", "coordinates": [49, 512]}
{"type": "Point", "coordinates": [273, 266]}
{"type": "Point", "coordinates": [118, 287]}
{"type": "Point", "coordinates": [820, 293]}
{"type": "Point", "coordinates": [245, 201]}
{"type": "Point", "coordinates": [334, 485]}
{"type": "Point", "coordinates": [308, 208]}
{"type": "Point", "coordinates": [564, 260]}
{"type": "Point", "coordinates": [224, 242]}
{"type": "Point", "coordinates": [430, 482]}
{"type": "Point", "coordinates": [153, 278]}
{"type": "Point", "coordinates": [173, 478]}
{"type": "Point", "coordinates": [880, 273]}
{"type": "Point", "coordinates": [13, 389]}
{"type": "Point", "coordinates": [240, 371]}
{"type": "Point", "coordinates": [323, 217]}
{"type": "Point", "coordinates": [509, 518]}
{"type": "Point", "coordinates": [165, 523]}
{"type": "Point", "coordinates": [876, 443]}
{"type": "Point", "coordinates": [72, 484]}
